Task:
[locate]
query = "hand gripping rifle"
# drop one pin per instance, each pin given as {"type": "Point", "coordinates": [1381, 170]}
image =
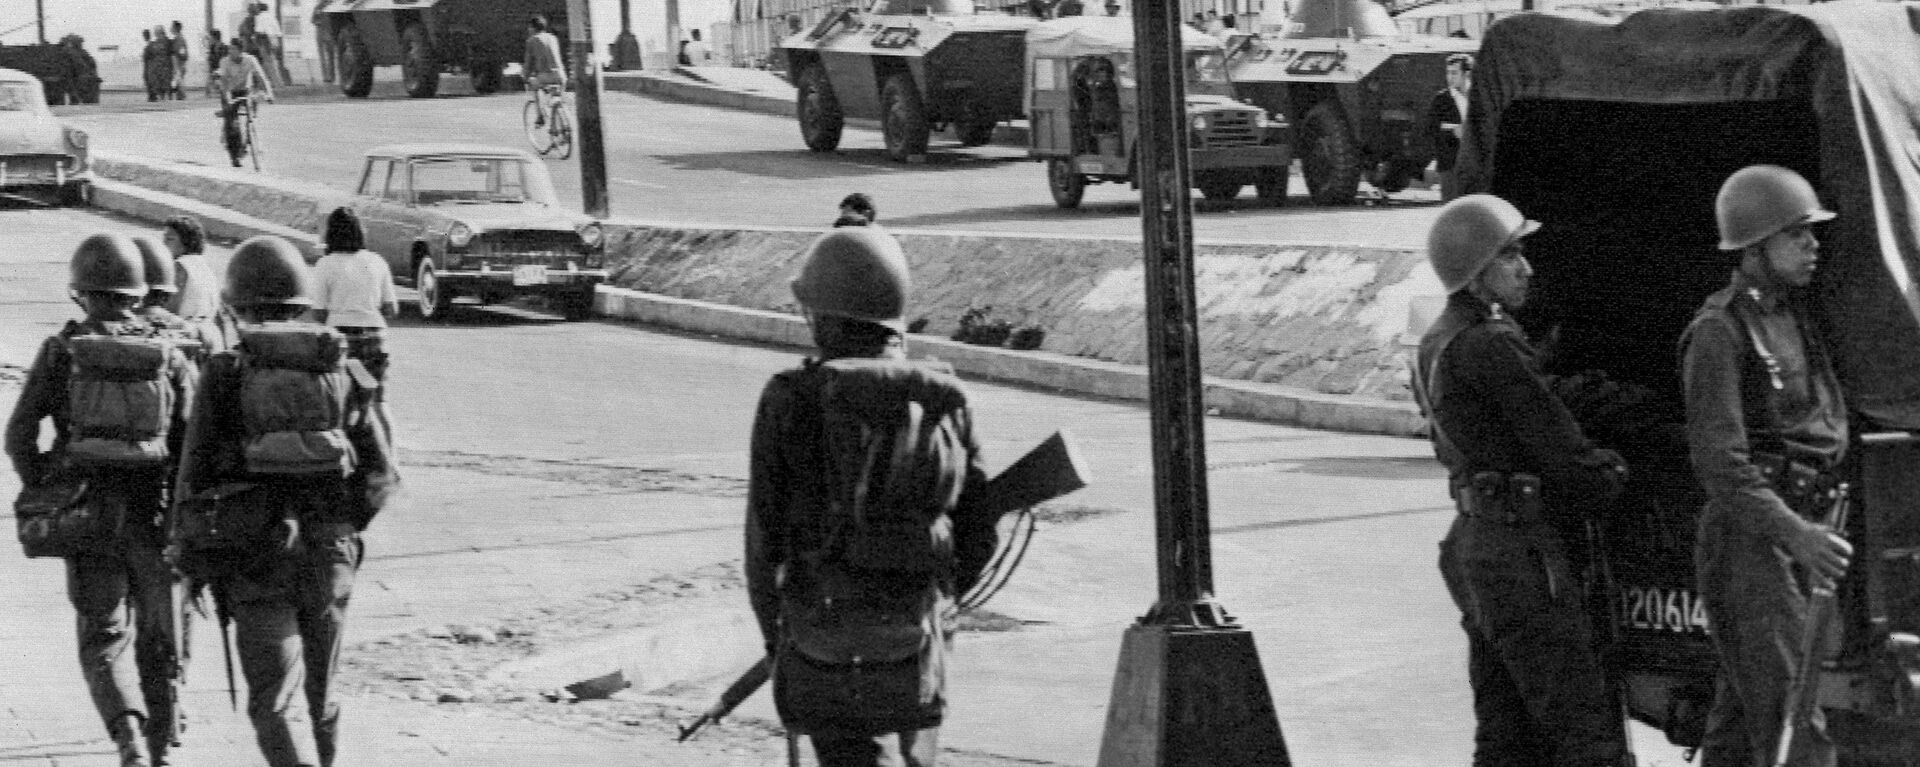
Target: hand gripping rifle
{"type": "Point", "coordinates": [1803, 691]}
{"type": "Point", "coordinates": [1048, 471]}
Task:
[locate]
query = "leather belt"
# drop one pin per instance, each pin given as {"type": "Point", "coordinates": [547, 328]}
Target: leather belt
{"type": "Point", "coordinates": [1503, 497]}
{"type": "Point", "coordinates": [1807, 490]}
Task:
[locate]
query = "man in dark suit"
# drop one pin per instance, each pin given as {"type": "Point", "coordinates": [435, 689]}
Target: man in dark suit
{"type": "Point", "coordinates": [1444, 118]}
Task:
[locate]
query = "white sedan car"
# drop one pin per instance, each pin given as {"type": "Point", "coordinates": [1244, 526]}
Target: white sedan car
{"type": "Point", "coordinates": [37, 152]}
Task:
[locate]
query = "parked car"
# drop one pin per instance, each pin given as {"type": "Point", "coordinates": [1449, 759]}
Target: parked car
{"type": "Point", "coordinates": [479, 221]}
{"type": "Point", "coordinates": [37, 152]}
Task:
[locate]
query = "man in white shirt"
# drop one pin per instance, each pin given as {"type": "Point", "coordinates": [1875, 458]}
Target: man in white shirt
{"type": "Point", "coordinates": [698, 54]}
{"type": "Point", "coordinates": [353, 291]}
{"type": "Point", "coordinates": [543, 66]}
{"type": "Point", "coordinates": [239, 74]}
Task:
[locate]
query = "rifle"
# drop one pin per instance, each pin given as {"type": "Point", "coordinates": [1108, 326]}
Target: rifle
{"type": "Point", "coordinates": [1803, 691]}
{"type": "Point", "coordinates": [225, 615]}
{"type": "Point", "coordinates": [1048, 471]}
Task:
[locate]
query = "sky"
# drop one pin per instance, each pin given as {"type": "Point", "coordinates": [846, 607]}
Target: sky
{"type": "Point", "coordinates": [118, 22]}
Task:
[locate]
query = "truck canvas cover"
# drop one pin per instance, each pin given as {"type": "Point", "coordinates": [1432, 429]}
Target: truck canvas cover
{"type": "Point", "coordinates": [1617, 134]}
{"type": "Point", "coordinates": [1072, 36]}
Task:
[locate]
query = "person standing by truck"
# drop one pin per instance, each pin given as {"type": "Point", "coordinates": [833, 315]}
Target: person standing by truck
{"type": "Point", "coordinates": [1445, 118]}
{"type": "Point", "coordinates": [1525, 480]}
{"type": "Point", "coordinates": [1766, 426]}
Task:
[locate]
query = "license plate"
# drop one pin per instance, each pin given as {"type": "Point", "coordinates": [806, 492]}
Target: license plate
{"type": "Point", "coordinates": [1090, 166]}
{"type": "Point", "coordinates": [530, 275]}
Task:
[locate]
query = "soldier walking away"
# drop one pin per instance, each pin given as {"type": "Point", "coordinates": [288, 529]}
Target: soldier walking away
{"type": "Point", "coordinates": [353, 291]}
{"type": "Point", "coordinates": [1525, 480]}
{"type": "Point", "coordinates": [1766, 426]}
{"type": "Point", "coordinates": [119, 400]}
{"type": "Point", "coordinates": [157, 260]}
{"type": "Point", "coordinates": [196, 298]}
{"type": "Point", "coordinates": [856, 210]}
{"type": "Point", "coordinates": [270, 441]}
{"type": "Point", "coordinates": [863, 516]}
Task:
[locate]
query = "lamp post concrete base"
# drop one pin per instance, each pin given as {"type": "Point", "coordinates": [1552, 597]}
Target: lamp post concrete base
{"type": "Point", "coordinates": [1187, 696]}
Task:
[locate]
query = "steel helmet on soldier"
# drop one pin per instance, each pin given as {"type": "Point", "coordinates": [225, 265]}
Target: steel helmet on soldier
{"type": "Point", "coordinates": [108, 263]}
{"type": "Point", "coordinates": [858, 273]}
{"type": "Point", "coordinates": [157, 263]}
{"type": "Point", "coordinates": [1470, 231]}
{"type": "Point", "coordinates": [1759, 200]}
{"type": "Point", "coordinates": [268, 270]}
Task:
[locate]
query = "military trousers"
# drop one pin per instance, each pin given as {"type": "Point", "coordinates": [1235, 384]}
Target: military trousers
{"type": "Point", "coordinates": [288, 623]}
{"type": "Point", "coordinates": [1540, 695]}
{"type": "Point", "coordinates": [912, 748]}
{"type": "Point", "coordinates": [121, 600]}
{"type": "Point", "coordinates": [1756, 613]}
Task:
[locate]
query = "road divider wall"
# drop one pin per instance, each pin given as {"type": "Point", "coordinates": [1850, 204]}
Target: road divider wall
{"type": "Point", "coordinates": [1307, 334]}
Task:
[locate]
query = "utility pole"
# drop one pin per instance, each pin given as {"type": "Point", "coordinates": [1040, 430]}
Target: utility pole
{"type": "Point", "coordinates": [1189, 690]}
{"type": "Point", "coordinates": [673, 33]}
{"type": "Point", "coordinates": [586, 96]}
{"type": "Point", "coordinates": [626, 47]}
{"type": "Point", "coordinates": [40, 18]}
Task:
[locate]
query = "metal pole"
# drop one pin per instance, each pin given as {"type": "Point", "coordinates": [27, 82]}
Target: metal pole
{"type": "Point", "coordinates": [40, 18]}
{"type": "Point", "coordinates": [626, 47]}
{"type": "Point", "coordinates": [586, 93]}
{"type": "Point", "coordinates": [673, 33]}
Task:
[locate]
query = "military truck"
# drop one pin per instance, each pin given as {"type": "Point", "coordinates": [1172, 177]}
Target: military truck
{"type": "Point", "coordinates": [1081, 102]}
{"type": "Point", "coordinates": [917, 66]}
{"type": "Point", "coordinates": [1617, 141]}
{"type": "Point", "coordinates": [1356, 90]}
{"type": "Point", "coordinates": [430, 37]}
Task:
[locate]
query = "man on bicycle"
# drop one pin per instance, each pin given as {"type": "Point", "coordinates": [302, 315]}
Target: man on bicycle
{"type": "Point", "coordinates": [543, 68]}
{"type": "Point", "coordinates": [239, 73]}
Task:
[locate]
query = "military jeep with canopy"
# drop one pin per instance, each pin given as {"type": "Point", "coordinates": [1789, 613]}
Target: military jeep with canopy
{"type": "Point", "coordinates": [1616, 136]}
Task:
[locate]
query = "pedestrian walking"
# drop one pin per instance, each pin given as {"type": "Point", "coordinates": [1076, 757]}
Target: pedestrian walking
{"type": "Point", "coordinates": [196, 299]}
{"type": "Point", "coordinates": [1446, 115]}
{"type": "Point", "coordinates": [216, 53]}
{"type": "Point", "coordinates": [323, 41]}
{"type": "Point", "coordinates": [118, 399]}
{"type": "Point", "coordinates": [275, 419]}
{"type": "Point", "coordinates": [156, 58]}
{"type": "Point", "coordinates": [180, 54]}
{"type": "Point", "coordinates": [853, 568]}
{"type": "Point", "coordinates": [1525, 481]}
{"type": "Point", "coordinates": [353, 291]}
{"type": "Point", "coordinates": [856, 210]}
{"type": "Point", "coordinates": [1766, 427]}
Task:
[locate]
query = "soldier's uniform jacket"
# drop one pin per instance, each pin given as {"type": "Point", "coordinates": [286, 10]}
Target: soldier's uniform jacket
{"type": "Point", "coordinates": [45, 395]}
{"type": "Point", "coordinates": [1493, 411]}
{"type": "Point", "coordinates": [1739, 405]}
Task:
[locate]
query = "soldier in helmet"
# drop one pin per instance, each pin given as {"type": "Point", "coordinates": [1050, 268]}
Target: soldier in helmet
{"type": "Point", "coordinates": [1524, 479]}
{"type": "Point", "coordinates": [1763, 409]}
{"type": "Point", "coordinates": [117, 578]}
{"type": "Point", "coordinates": [288, 598]}
{"type": "Point", "coordinates": [161, 291]}
{"type": "Point", "coordinates": [857, 622]}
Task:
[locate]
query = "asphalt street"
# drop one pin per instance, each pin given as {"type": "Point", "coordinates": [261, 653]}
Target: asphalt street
{"type": "Point", "coordinates": [575, 500]}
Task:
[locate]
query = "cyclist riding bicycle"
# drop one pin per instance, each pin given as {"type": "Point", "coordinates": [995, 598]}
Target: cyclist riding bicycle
{"type": "Point", "coordinates": [238, 75]}
{"type": "Point", "coordinates": [544, 70]}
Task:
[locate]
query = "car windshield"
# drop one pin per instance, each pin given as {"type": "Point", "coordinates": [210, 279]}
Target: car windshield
{"type": "Point", "coordinates": [17, 96]}
{"type": "Point", "coordinates": [473, 180]}
{"type": "Point", "coordinates": [1207, 74]}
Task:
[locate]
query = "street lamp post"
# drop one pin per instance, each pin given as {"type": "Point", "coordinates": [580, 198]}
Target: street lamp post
{"type": "Point", "coordinates": [586, 95]}
{"type": "Point", "coordinates": [626, 47]}
{"type": "Point", "coordinates": [1189, 690]}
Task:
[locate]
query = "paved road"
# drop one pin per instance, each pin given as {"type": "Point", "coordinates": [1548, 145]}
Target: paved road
{"type": "Point", "coordinates": [577, 483]}
{"type": "Point", "coordinates": [687, 164]}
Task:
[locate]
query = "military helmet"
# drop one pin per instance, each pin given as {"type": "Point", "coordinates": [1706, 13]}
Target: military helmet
{"type": "Point", "coordinates": [157, 263]}
{"type": "Point", "coordinates": [1759, 200]}
{"type": "Point", "coordinates": [858, 273]}
{"type": "Point", "coordinates": [109, 263]}
{"type": "Point", "coordinates": [268, 270]}
{"type": "Point", "coordinates": [1470, 231]}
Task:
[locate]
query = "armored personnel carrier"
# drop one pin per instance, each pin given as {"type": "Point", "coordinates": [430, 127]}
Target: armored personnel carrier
{"type": "Point", "coordinates": [1356, 90]}
{"type": "Point", "coordinates": [429, 37]}
{"type": "Point", "coordinates": [917, 66]}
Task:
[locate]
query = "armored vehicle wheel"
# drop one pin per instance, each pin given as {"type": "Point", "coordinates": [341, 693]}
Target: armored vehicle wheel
{"type": "Point", "coordinates": [819, 111]}
{"type": "Point", "coordinates": [434, 298]}
{"type": "Point", "coordinates": [485, 76]}
{"type": "Point", "coordinates": [974, 132]}
{"type": "Point", "coordinates": [1327, 159]}
{"type": "Point", "coordinates": [1271, 185]}
{"type": "Point", "coordinates": [902, 118]}
{"type": "Point", "coordinates": [356, 63]}
{"type": "Point", "coordinates": [1066, 184]}
{"type": "Point", "coordinates": [1218, 190]}
{"type": "Point", "coordinates": [419, 72]}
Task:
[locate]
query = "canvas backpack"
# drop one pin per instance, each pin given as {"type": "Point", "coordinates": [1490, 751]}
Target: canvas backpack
{"type": "Point", "coordinates": [294, 396]}
{"type": "Point", "coordinates": [120, 400]}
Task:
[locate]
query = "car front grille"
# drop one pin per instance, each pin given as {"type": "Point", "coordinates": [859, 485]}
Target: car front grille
{"type": "Point", "coordinates": [553, 248]}
{"type": "Point", "coordinates": [1231, 129]}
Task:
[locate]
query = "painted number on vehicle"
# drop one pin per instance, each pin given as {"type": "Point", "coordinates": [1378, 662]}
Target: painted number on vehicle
{"type": "Point", "coordinates": [1654, 608]}
{"type": "Point", "coordinates": [1316, 62]}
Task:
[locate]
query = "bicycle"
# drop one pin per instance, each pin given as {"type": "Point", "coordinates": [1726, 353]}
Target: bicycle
{"type": "Point", "coordinates": [555, 133]}
{"type": "Point", "coordinates": [242, 140]}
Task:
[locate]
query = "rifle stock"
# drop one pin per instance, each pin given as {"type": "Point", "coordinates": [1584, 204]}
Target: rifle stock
{"type": "Point", "coordinates": [1051, 469]}
{"type": "Point", "coordinates": [1803, 691]}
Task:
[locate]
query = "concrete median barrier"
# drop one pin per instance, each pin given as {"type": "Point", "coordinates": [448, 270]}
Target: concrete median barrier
{"type": "Point", "coordinates": [1303, 334]}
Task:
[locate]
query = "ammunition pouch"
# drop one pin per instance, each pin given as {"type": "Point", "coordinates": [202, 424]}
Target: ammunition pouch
{"type": "Point", "coordinates": [1502, 497]}
{"type": "Point", "coordinates": [1810, 492]}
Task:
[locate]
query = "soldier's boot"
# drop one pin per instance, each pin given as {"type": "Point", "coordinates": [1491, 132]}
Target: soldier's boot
{"type": "Point", "coordinates": [129, 736]}
{"type": "Point", "coordinates": [326, 736]}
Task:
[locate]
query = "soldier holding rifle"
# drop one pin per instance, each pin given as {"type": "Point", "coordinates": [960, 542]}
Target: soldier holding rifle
{"type": "Point", "coordinates": [1767, 426]}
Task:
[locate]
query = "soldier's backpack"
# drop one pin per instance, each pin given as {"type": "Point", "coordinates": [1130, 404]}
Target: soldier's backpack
{"type": "Point", "coordinates": [120, 400]}
{"type": "Point", "coordinates": [294, 398]}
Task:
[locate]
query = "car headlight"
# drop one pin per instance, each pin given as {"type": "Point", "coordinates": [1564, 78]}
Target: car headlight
{"type": "Point", "coordinates": [592, 234]}
{"type": "Point", "coordinates": [76, 138]}
{"type": "Point", "coordinates": [1199, 122]}
{"type": "Point", "coordinates": [460, 235]}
